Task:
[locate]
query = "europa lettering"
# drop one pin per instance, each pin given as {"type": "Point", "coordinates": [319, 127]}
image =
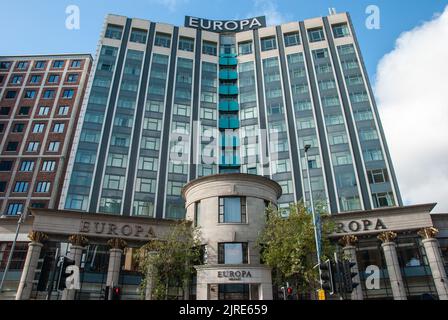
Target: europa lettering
{"type": "Point", "coordinates": [111, 229]}
{"type": "Point", "coordinates": [360, 226]}
{"type": "Point", "coordinates": [225, 26]}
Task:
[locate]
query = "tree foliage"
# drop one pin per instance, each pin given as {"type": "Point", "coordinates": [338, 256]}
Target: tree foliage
{"type": "Point", "coordinates": [169, 262]}
{"type": "Point", "coordinates": [288, 246]}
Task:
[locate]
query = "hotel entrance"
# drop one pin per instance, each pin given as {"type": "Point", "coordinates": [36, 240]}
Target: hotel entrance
{"type": "Point", "coordinates": [238, 292]}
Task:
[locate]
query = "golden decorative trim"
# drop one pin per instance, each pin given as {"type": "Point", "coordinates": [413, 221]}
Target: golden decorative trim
{"type": "Point", "coordinates": [117, 243]}
{"type": "Point", "coordinates": [348, 240]}
{"type": "Point", "coordinates": [428, 233]}
{"type": "Point", "coordinates": [78, 240]}
{"type": "Point", "coordinates": [388, 236]}
{"type": "Point", "coordinates": [36, 236]}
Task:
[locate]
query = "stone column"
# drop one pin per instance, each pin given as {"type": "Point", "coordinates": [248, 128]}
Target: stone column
{"type": "Point", "coordinates": [393, 267]}
{"type": "Point", "coordinates": [150, 276]}
{"type": "Point", "coordinates": [435, 260]}
{"type": "Point", "coordinates": [348, 242]}
{"type": "Point", "coordinates": [115, 253]}
{"type": "Point", "coordinates": [77, 242]}
{"type": "Point", "coordinates": [29, 269]}
{"type": "Point", "coordinates": [265, 291]}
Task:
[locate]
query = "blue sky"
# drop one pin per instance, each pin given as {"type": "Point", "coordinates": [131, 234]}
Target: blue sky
{"type": "Point", "coordinates": [38, 27]}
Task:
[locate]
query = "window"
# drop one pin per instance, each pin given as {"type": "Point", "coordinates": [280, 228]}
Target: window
{"type": "Point", "coordinates": [49, 94]}
{"type": "Point", "coordinates": [342, 158]}
{"type": "Point", "coordinates": [53, 78]}
{"type": "Point", "coordinates": [113, 182]}
{"type": "Point", "coordinates": [15, 209]}
{"type": "Point", "coordinates": [382, 200]}
{"type": "Point", "coordinates": [148, 164]}
{"type": "Point", "coordinates": [145, 185]}
{"type": "Point", "coordinates": [39, 65]}
{"type": "Point", "coordinates": [150, 143]}
{"type": "Point", "coordinates": [178, 168]}
{"type": "Point", "coordinates": [175, 188]}
{"type": "Point", "coordinates": [12, 146]}
{"type": "Point", "coordinates": [27, 166]}
{"type": "Point", "coordinates": [44, 111]}
{"type": "Point", "coordinates": [112, 206]}
{"type": "Point", "coordinates": [117, 160]}
{"type": "Point", "coordinates": [35, 79]}
{"type": "Point", "coordinates": [32, 147]}
{"type": "Point", "coordinates": [18, 128]}
{"type": "Point", "coordinates": [209, 48]}
{"type": "Point", "coordinates": [30, 94]}
{"type": "Point", "coordinates": [232, 210]}
{"type": "Point", "coordinates": [43, 187]}
{"type": "Point", "coordinates": [341, 30]}
{"type": "Point", "coordinates": [22, 65]}
{"type": "Point", "coordinates": [53, 146]}
{"type": "Point", "coordinates": [68, 93]}
{"type": "Point", "coordinates": [4, 111]}
{"type": "Point", "coordinates": [11, 94]}
{"type": "Point", "coordinates": [38, 128]}
{"type": "Point", "coordinates": [4, 65]}
{"type": "Point", "coordinates": [72, 78]}
{"type": "Point", "coordinates": [37, 205]}
{"type": "Point", "coordinates": [162, 40]}
{"type": "Point", "coordinates": [139, 35]}
{"type": "Point", "coordinates": [3, 186]}
{"type": "Point", "coordinates": [76, 64]}
{"type": "Point", "coordinates": [315, 35]}
{"type": "Point", "coordinates": [58, 64]}
{"type": "Point", "coordinates": [152, 124]}
{"type": "Point", "coordinates": [338, 138]}
{"type": "Point", "coordinates": [16, 79]}
{"type": "Point", "coordinates": [378, 176]}
{"type": "Point", "coordinates": [63, 110]}
{"type": "Point", "coordinates": [48, 166]}
{"type": "Point", "coordinates": [232, 253]}
{"type": "Point", "coordinates": [292, 39]}
{"type": "Point", "coordinates": [2, 127]}
{"type": "Point", "coordinates": [114, 32]}
{"type": "Point", "coordinates": [268, 43]}
{"type": "Point", "coordinates": [21, 187]}
{"type": "Point", "coordinates": [6, 165]}
{"type": "Point", "coordinates": [245, 48]}
{"type": "Point", "coordinates": [186, 44]}
{"type": "Point", "coordinates": [373, 155]}
{"type": "Point", "coordinates": [143, 208]}
{"type": "Point", "coordinates": [287, 186]}
{"type": "Point", "coordinates": [58, 127]}
{"type": "Point", "coordinates": [368, 134]}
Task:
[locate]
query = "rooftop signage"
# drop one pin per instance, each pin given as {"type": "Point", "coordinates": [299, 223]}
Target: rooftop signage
{"type": "Point", "coordinates": [225, 25]}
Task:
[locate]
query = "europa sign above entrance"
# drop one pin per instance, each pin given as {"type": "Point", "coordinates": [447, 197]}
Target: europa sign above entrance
{"type": "Point", "coordinates": [225, 26]}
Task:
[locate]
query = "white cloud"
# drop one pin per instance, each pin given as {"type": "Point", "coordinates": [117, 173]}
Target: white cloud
{"type": "Point", "coordinates": [412, 94]}
{"type": "Point", "coordinates": [269, 9]}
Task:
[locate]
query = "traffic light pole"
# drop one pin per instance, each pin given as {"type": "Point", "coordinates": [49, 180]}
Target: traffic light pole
{"type": "Point", "coordinates": [316, 235]}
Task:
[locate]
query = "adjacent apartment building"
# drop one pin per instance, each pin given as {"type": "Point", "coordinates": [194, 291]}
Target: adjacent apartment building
{"type": "Point", "coordinates": [170, 104]}
{"type": "Point", "coordinates": [40, 98]}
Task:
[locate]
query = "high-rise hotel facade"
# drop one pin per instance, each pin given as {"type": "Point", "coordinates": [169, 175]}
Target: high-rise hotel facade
{"type": "Point", "coordinates": [166, 105]}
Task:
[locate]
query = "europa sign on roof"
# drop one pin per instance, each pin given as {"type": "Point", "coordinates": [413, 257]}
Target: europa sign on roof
{"type": "Point", "coordinates": [225, 26]}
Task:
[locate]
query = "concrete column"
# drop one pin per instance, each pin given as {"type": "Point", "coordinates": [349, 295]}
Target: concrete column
{"type": "Point", "coordinates": [31, 261]}
{"type": "Point", "coordinates": [265, 291]}
{"type": "Point", "coordinates": [77, 242]}
{"type": "Point", "coordinates": [115, 254]}
{"type": "Point", "coordinates": [348, 242]}
{"type": "Point", "coordinates": [393, 267]}
{"type": "Point", "coordinates": [201, 291]}
{"type": "Point", "coordinates": [435, 260]}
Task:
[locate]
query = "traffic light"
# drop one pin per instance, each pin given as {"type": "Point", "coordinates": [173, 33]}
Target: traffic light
{"type": "Point", "coordinates": [347, 276]}
{"type": "Point", "coordinates": [327, 276]}
{"type": "Point", "coordinates": [116, 293]}
{"type": "Point", "coordinates": [289, 293]}
{"type": "Point", "coordinates": [63, 264]}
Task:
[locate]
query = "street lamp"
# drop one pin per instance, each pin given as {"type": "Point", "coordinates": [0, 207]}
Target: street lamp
{"type": "Point", "coordinates": [21, 220]}
{"type": "Point", "coordinates": [316, 236]}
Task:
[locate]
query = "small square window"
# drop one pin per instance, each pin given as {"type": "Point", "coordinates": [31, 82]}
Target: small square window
{"type": "Point", "coordinates": [11, 94]}
{"type": "Point", "coordinates": [139, 36]}
{"type": "Point", "coordinates": [39, 65]}
{"type": "Point", "coordinates": [162, 40]}
{"type": "Point", "coordinates": [292, 39]}
{"type": "Point", "coordinates": [186, 44]}
{"type": "Point", "coordinates": [4, 111]}
{"type": "Point", "coordinates": [12, 146]}
{"type": "Point", "coordinates": [269, 43]}
{"type": "Point", "coordinates": [114, 32]}
{"type": "Point", "coordinates": [76, 64]}
{"type": "Point", "coordinates": [316, 35]}
{"type": "Point", "coordinates": [58, 64]}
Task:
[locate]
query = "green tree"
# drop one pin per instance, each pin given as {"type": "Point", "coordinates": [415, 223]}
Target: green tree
{"type": "Point", "coordinates": [288, 246]}
{"type": "Point", "coordinates": [169, 262]}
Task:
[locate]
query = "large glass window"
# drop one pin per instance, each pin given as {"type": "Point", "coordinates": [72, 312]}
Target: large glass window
{"type": "Point", "coordinates": [114, 32]}
{"type": "Point", "coordinates": [316, 34]}
{"type": "Point", "coordinates": [245, 48]}
{"type": "Point", "coordinates": [139, 35]}
{"type": "Point", "coordinates": [209, 48]}
{"type": "Point", "coordinates": [162, 40]}
{"type": "Point", "coordinates": [232, 253]}
{"type": "Point", "coordinates": [341, 30]}
{"type": "Point", "coordinates": [232, 210]}
{"type": "Point", "coordinates": [186, 44]}
{"type": "Point", "coordinates": [292, 39]}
